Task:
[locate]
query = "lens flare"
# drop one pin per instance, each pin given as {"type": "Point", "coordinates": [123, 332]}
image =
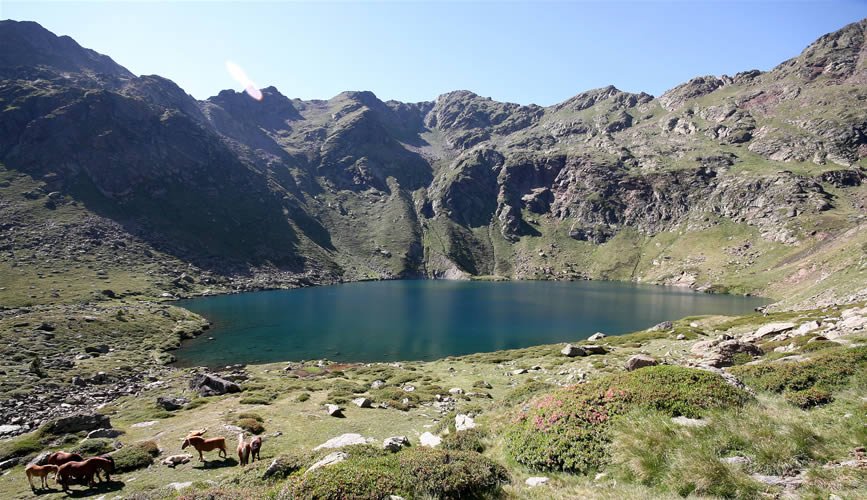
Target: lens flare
{"type": "Point", "coordinates": [241, 77]}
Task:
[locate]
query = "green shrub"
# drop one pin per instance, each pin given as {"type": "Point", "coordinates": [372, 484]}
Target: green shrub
{"type": "Point", "coordinates": [809, 398]}
{"type": "Point", "coordinates": [250, 425]}
{"type": "Point", "coordinates": [411, 473]}
{"type": "Point", "coordinates": [92, 447]}
{"type": "Point", "coordinates": [467, 440]}
{"type": "Point", "coordinates": [363, 478]}
{"type": "Point", "coordinates": [568, 429]}
{"type": "Point", "coordinates": [826, 371]}
{"type": "Point", "coordinates": [256, 399]}
{"type": "Point", "coordinates": [254, 416]}
{"type": "Point", "coordinates": [150, 447]}
{"type": "Point", "coordinates": [131, 458]}
{"type": "Point", "coordinates": [451, 473]}
{"type": "Point", "coordinates": [304, 396]}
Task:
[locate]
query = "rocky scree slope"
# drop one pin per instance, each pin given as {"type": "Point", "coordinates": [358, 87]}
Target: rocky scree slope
{"type": "Point", "coordinates": [751, 183]}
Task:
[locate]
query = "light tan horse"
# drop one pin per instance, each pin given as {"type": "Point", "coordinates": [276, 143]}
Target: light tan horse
{"type": "Point", "coordinates": [201, 444]}
{"type": "Point", "coordinates": [243, 450]}
{"type": "Point", "coordinates": [40, 471]}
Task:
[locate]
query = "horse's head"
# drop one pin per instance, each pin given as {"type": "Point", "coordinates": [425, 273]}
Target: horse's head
{"type": "Point", "coordinates": [186, 443]}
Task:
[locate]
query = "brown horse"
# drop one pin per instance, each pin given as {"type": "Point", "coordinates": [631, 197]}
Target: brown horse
{"type": "Point", "coordinates": [243, 450]}
{"type": "Point", "coordinates": [201, 444]}
{"type": "Point", "coordinates": [59, 458]}
{"type": "Point", "coordinates": [40, 471]}
{"type": "Point", "coordinates": [85, 470]}
{"type": "Point", "coordinates": [255, 447]}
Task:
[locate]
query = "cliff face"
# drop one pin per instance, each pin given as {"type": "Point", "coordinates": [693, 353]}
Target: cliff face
{"type": "Point", "coordinates": [606, 184]}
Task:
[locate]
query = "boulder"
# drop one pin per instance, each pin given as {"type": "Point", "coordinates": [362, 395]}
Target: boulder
{"type": "Point", "coordinates": [395, 443]}
{"type": "Point", "coordinates": [464, 422]}
{"type": "Point", "coordinates": [333, 410]}
{"type": "Point", "coordinates": [9, 429]}
{"type": "Point", "coordinates": [594, 349]}
{"type": "Point", "coordinates": [719, 353]}
{"type": "Point", "coordinates": [99, 349]}
{"type": "Point", "coordinates": [456, 391]}
{"type": "Point", "coordinates": [689, 422]}
{"type": "Point", "coordinates": [665, 325]}
{"type": "Point", "coordinates": [170, 403]}
{"type": "Point", "coordinates": [640, 361]}
{"type": "Point", "coordinates": [596, 337]}
{"type": "Point", "coordinates": [42, 458]}
{"type": "Point", "coordinates": [572, 351]}
{"type": "Point", "coordinates": [430, 440]}
{"type": "Point", "coordinates": [362, 402]}
{"type": "Point", "coordinates": [377, 384]}
{"type": "Point", "coordinates": [341, 441]}
{"type": "Point", "coordinates": [104, 433]}
{"type": "Point", "coordinates": [330, 459]}
{"type": "Point", "coordinates": [211, 385]}
{"type": "Point", "coordinates": [77, 423]}
{"type": "Point", "coordinates": [536, 481]}
{"type": "Point", "coordinates": [519, 371]}
{"type": "Point", "coordinates": [769, 329]}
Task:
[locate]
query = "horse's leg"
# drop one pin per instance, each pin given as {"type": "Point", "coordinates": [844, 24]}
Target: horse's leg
{"type": "Point", "coordinates": [30, 480]}
{"type": "Point", "coordinates": [201, 458]}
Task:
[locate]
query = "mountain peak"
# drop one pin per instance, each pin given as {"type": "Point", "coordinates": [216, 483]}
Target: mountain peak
{"type": "Point", "coordinates": [36, 46]}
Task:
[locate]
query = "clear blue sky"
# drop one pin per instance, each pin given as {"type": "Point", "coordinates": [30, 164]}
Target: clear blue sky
{"type": "Point", "coordinates": [539, 53]}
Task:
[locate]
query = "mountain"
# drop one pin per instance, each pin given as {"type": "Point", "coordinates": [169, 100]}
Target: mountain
{"type": "Point", "coordinates": [746, 183]}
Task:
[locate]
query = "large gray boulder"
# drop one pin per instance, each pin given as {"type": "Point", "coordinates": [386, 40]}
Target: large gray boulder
{"type": "Point", "coordinates": [77, 423]}
{"type": "Point", "coordinates": [640, 361]}
{"type": "Point", "coordinates": [211, 385]}
{"type": "Point", "coordinates": [571, 351]}
{"type": "Point", "coordinates": [171, 404]}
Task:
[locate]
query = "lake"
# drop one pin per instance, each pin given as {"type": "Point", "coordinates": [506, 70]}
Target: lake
{"type": "Point", "coordinates": [429, 319]}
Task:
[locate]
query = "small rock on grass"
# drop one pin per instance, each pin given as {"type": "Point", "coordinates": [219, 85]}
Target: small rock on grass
{"type": "Point", "coordinates": [536, 481]}
{"type": "Point", "coordinates": [430, 440]}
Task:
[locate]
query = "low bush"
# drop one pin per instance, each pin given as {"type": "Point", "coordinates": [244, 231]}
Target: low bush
{"type": "Point", "coordinates": [250, 425]}
{"type": "Point", "coordinates": [809, 398]}
{"type": "Point", "coordinates": [363, 478]}
{"type": "Point", "coordinates": [568, 429]}
{"type": "Point", "coordinates": [467, 440]}
{"type": "Point", "coordinates": [92, 447]}
{"type": "Point", "coordinates": [132, 458]}
{"type": "Point", "coordinates": [451, 473]}
{"type": "Point", "coordinates": [808, 383]}
{"type": "Point", "coordinates": [411, 473]}
{"type": "Point", "coordinates": [304, 396]}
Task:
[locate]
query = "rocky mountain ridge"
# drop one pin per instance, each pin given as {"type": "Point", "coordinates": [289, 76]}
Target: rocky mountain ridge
{"type": "Point", "coordinates": [607, 184]}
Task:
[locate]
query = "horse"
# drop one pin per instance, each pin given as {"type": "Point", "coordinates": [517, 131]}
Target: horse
{"type": "Point", "coordinates": [255, 447]}
{"type": "Point", "coordinates": [243, 450]}
{"type": "Point", "coordinates": [40, 471]}
{"type": "Point", "coordinates": [201, 444]}
{"type": "Point", "coordinates": [86, 469]}
{"type": "Point", "coordinates": [59, 458]}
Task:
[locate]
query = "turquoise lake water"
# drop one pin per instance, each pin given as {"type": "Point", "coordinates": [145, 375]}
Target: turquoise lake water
{"type": "Point", "coordinates": [426, 319]}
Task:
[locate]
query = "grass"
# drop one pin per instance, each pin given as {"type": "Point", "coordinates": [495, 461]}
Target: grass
{"type": "Point", "coordinates": [811, 382]}
{"type": "Point", "coordinates": [568, 429]}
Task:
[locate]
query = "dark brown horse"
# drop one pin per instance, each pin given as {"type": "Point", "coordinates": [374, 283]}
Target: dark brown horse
{"type": "Point", "coordinates": [201, 444]}
{"type": "Point", "coordinates": [255, 448]}
{"type": "Point", "coordinates": [59, 458]}
{"type": "Point", "coordinates": [84, 471]}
